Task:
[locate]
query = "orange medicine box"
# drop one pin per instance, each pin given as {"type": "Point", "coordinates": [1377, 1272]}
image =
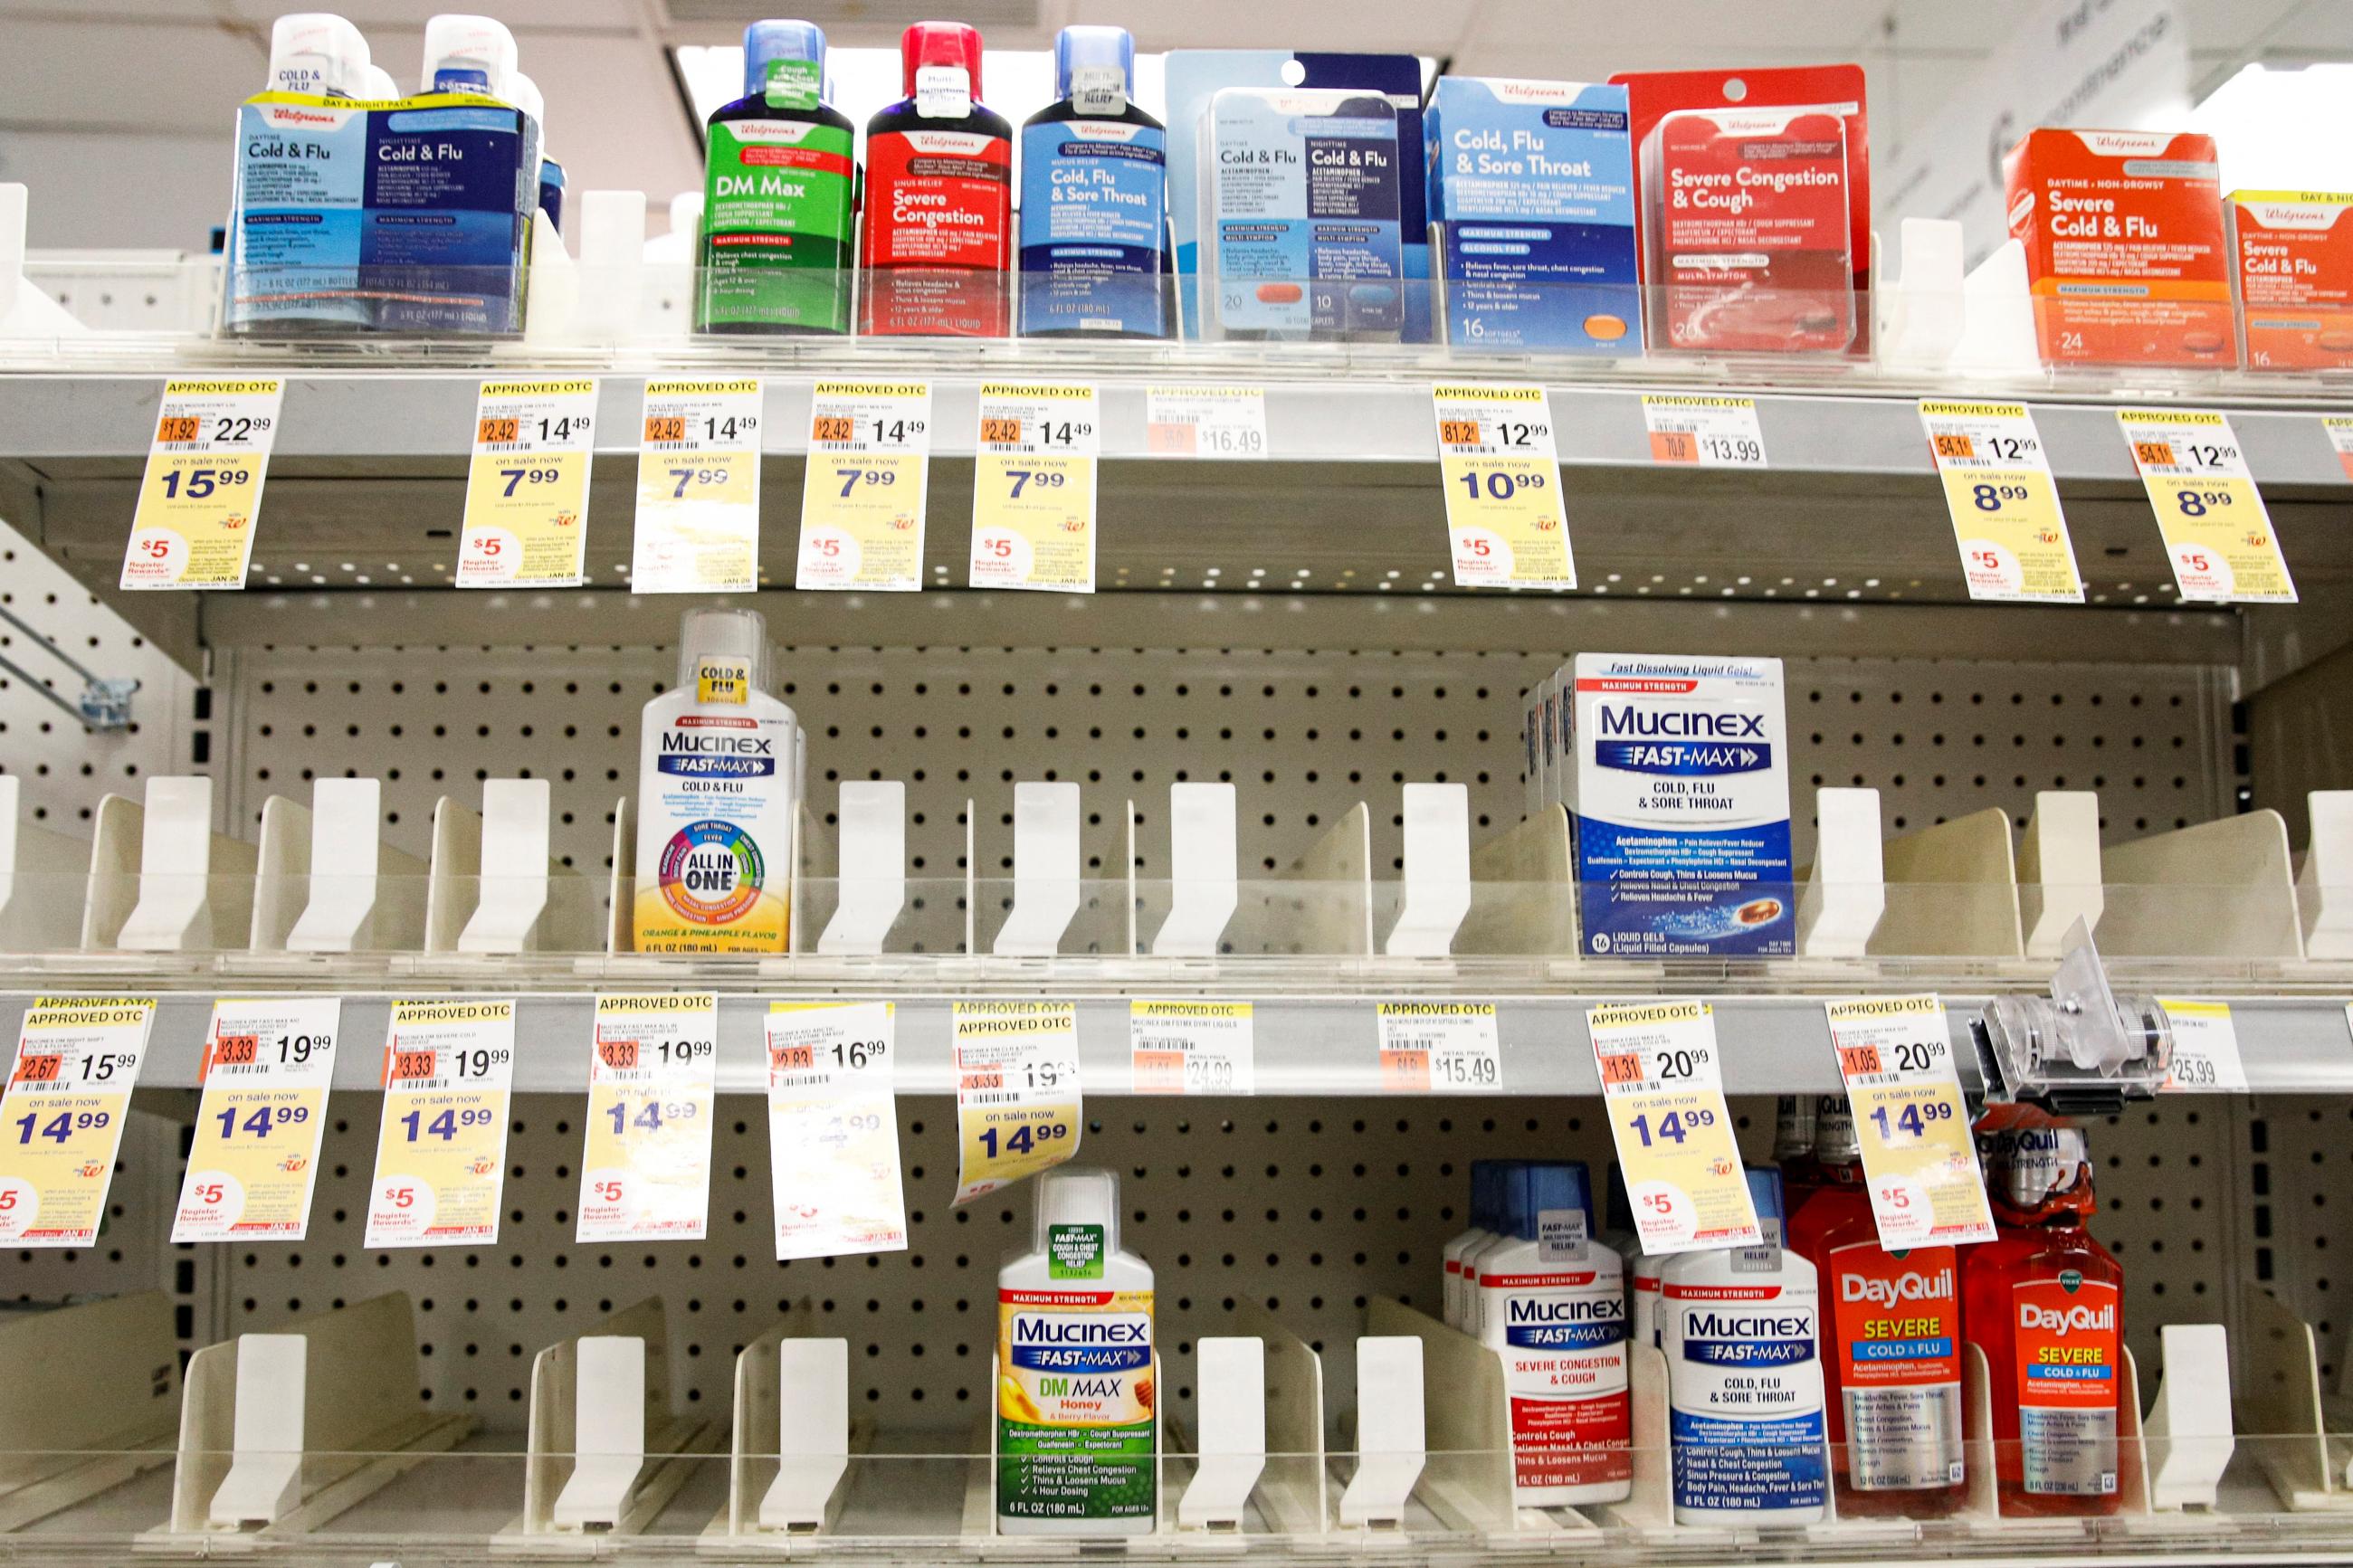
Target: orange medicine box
{"type": "Point", "coordinates": [2292, 258]}
{"type": "Point", "coordinates": [2125, 249]}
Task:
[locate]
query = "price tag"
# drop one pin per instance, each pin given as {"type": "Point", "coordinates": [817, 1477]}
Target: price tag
{"type": "Point", "coordinates": [1502, 478]}
{"type": "Point", "coordinates": [2206, 1058]}
{"type": "Point", "coordinates": [201, 499]}
{"type": "Point", "coordinates": [442, 1151]}
{"type": "Point", "coordinates": [527, 492]}
{"type": "Point", "coordinates": [1191, 1047]}
{"type": "Point", "coordinates": [61, 1117]}
{"type": "Point", "coordinates": [1033, 487]}
{"type": "Point", "coordinates": [1205, 421]}
{"type": "Point", "coordinates": [1439, 1047]}
{"type": "Point", "coordinates": [867, 481]}
{"type": "Point", "coordinates": [698, 489]}
{"type": "Point", "coordinates": [833, 1129]}
{"type": "Point", "coordinates": [254, 1163]}
{"type": "Point", "coordinates": [2339, 427]}
{"type": "Point", "coordinates": [2217, 532]}
{"type": "Point", "coordinates": [2003, 502]}
{"type": "Point", "coordinates": [1918, 1156]}
{"type": "Point", "coordinates": [1663, 1087]}
{"type": "Point", "coordinates": [1018, 1101]}
{"type": "Point", "coordinates": [1705, 432]}
{"type": "Point", "coordinates": [645, 1171]}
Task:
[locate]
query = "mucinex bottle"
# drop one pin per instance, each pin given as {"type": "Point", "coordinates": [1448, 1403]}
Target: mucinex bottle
{"type": "Point", "coordinates": [1642, 1268]}
{"type": "Point", "coordinates": [1485, 1177]}
{"type": "Point", "coordinates": [1890, 1347]}
{"type": "Point", "coordinates": [1553, 1306]}
{"type": "Point", "coordinates": [2045, 1304]}
{"type": "Point", "coordinates": [1076, 1441]}
{"type": "Point", "coordinates": [1740, 1328]}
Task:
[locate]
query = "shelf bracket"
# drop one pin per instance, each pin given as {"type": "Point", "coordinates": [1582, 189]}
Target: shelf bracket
{"type": "Point", "coordinates": [1231, 1373]}
{"type": "Point", "coordinates": [1390, 1445]}
{"type": "Point", "coordinates": [871, 870]}
{"type": "Point", "coordinates": [1204, 886]}
{"type": "Point", "coordinates": [1437, 871]}
{"type": "Point", "coordinates": [812, 1435]}
{"type": "Point", "coordinates": [1045, 870]}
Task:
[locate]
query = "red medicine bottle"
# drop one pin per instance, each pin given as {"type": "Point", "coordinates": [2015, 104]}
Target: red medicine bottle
{"type": "Point", "coordinates": [935, 237]}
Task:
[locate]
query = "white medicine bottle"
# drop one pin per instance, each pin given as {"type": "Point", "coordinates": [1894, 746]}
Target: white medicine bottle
{"type": "Point", "coordinates": [1741, 1331]}
{"type": "Point", "coordinates": [1077, 1437]}
{"type": "Point", "coordinates": [718, 791]}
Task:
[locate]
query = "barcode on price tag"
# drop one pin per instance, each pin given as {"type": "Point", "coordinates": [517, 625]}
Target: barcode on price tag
{"type": "Point", "coordinates": [1204, 422]}
{"type": "Point", "coordinates": [1439, 1048]}
{"type": "Point", "coordinates": [1705, 432]}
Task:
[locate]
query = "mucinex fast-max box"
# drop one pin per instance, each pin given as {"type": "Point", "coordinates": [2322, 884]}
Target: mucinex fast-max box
{"type": "Point", "coordinates": [2125, 253]}
{"type": "Point", "coordinates": [2292, 260]}
{"type": "Point", "coordinates": [1532, 216]}
{"type": "Point", "coordinates": [1678, 790]}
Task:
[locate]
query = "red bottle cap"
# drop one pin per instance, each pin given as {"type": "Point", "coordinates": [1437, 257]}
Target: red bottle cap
{"type": "Point", "coordinates": [939, 44]}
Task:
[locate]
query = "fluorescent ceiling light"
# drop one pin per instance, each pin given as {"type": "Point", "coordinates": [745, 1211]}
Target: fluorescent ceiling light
{"type": "Point", "coordinates": [2282, 129]}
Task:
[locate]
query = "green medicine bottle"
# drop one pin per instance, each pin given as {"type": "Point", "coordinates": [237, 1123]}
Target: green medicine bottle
{"type": "Point", "coordinates": [778, 184]}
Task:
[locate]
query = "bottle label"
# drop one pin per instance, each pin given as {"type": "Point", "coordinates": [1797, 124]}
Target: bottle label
{"type": "Point", "coordinates": [1744, 1389]}
{"type": "Point", "coordinates": [1098, 90]}
{"type": "Point", "coordinates": [942, 93]}
{"type": "Point", "coordinates": [718, 679]}
{"type": "Point", "coordinates": [1094, 221]}
{"type": "Point", "coordinates": [939, 209]}
{"type": "Point", "coordinates": [1562, 1335]}
{"type": "Point", "coordinates": [713, 871]}
{"type": "Point", "coordinates": [775, 241]}
{"type": "Point", "coordinates": [2068, 1334]}
{"type": "Point", "coordinates": [793, 84]}
{"type": "Point", "coordinates": [1074, 1400]}
{"type": "Point", "coordinates": [1897, 1315]}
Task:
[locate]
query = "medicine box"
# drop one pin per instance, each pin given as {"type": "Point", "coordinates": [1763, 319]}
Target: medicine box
{"type": "Point", "coordinates": [2125, 251]}
{"type": "Point", "coordinates": [1678, 792]}
{"type": "Point", "coordinates": [400, 215]}
{"type": "Point", "coordinates": [1532, 216]}
{"type": "Point", "coordinates": [1300, 221]}
{"type": "Point", "coordinates": [2292, 258]}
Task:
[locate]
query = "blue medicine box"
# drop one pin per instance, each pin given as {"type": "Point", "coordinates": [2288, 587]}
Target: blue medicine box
{"type": "Point", "coordinates": [1532, 216]}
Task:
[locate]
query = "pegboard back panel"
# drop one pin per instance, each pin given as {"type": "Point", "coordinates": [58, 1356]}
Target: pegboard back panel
{"type": "Point", "coordinates": [1308, 1207]}
{"type": "Point", "coordinates": [1304, 735]}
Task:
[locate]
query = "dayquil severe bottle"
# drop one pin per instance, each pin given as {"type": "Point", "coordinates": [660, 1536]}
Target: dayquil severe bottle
{"type": "Point", "coordinates": [935, 237]}
{"type": "Point", "coordinates": [1891, 1346]}
{"type": "Point", "coordinates": [2045, 1304]}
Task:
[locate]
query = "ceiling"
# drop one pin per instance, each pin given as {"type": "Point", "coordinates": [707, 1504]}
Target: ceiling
{"type": "Point", "coordinates": [130, 102]}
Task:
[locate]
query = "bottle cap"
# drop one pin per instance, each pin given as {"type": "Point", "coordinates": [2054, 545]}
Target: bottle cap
{"type": "Point", "coordinates": [524, 94]}
{"type": "Point", "coordinates": [1764, 1193]}
{"type": "Point", "coordinates": [1551, 1187]}
{"type": "Point", "coordinates": [1077, 1195]}
{"type": "Point", "coordinates": [1094, 54]}
{"type": "Point", "coordinates": [724, 635]}
{"type": "Point", "coordinates": [766, 42]}
{"type": "Point", "coordinates": [939, 44]}
{"type": "Point", "coordinates": [2028, 1166]}
{"type": "Point", "coordinates": [310, 51]}
{"type": "Point", "coordinates": [466, 54]}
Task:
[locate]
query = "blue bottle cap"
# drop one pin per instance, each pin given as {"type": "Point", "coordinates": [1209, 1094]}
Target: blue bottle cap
{"type": "Point", "coordinates": [767, 41]}
{"type": "Point", "coordinates": [1765, 1191]}
{"type": "Point", "coordinates": [1512, 1198]}
{"type": "Point", "coordinates": [1484, 1173]}
{"type": "Point", "coordinates": [1093, 46]}
{"type": "Point", "coordinates": [1552, 1186]}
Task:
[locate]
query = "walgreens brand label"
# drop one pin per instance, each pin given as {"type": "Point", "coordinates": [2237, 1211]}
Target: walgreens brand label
{"type": "Point", "coordinates": [2069, 1330]}
{"type": "Point", "coordinates": [1562, 1335]}
{"type": "Point", "coordinates": [1898, 1321]}
{"type": "Point", "coordinates": [1074, 1401]}
{"type": "Point", "coordinates": [1744, 1393]}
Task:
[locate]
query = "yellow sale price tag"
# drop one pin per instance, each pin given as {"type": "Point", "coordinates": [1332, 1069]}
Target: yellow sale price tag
{"type": "Point", "coordinates": [61, 1119]}
{"type": "Point", "coordinates": [1033, 487]}
{"type": "Point", "coordinates": [442, 1151]}
{"type": "Point", "coordinates": [527, 491]}
{"type": "Point", "coordinates": [2003, 502]}
{"type": "Point", "coordinates": [863, 497]}
{"type": "Point", "coordinates": [833, 1129]}
{"type": "Point", "coordinates": [1501, 474]}
{"type": "Point", "coordinates": [200, 499]}
{"type": "Point", "coordinates": [1191, 1047]}
{"type": "Point", "coordinates": [2217, 533]}
{"type": "Point", "coordinates": [253, 1165]}
{"type": "Point", "coordinates": [1663, 1087]}
{"type": "Point", "coordinates": [698, 525]}
{"type": "Point", "coordinates": [1018, 1099]}
{"type": "Point", "coordinates": [653, 1071]}
{"type": "Point", "coordinates": [1439, 1047]}
{"type": "Point", "coordinates": [1918, 1157]}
